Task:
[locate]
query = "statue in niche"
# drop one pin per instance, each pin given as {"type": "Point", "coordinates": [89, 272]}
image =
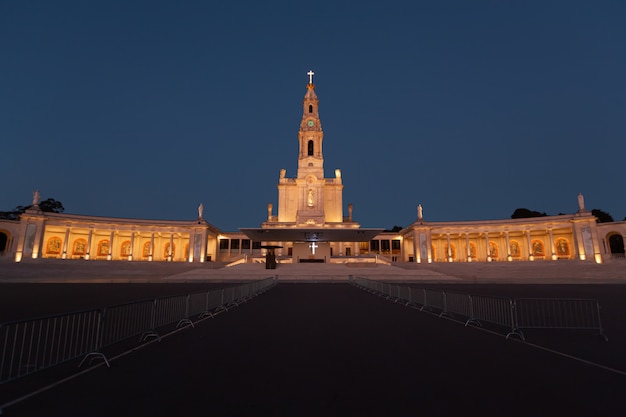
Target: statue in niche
{"type": "Point", "coordinates": [310, 198]}
{"type": "Point", "coordinates": [36, 198]}
{"type": "Point", "coordinates": [515, 249]}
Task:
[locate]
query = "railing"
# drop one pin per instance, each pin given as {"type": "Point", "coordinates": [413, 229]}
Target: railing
{"type": "Point", "coordinates": [512, 314]}
{"type": "Point", "coordinates": [31, 345]}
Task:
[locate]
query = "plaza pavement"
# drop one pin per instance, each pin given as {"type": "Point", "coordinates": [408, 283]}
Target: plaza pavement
{"type": "Point", "coordinates": [330, 349]}
{"type": "Point", "coordinates": [316, 346]}
{"type": "Point", "coordinates": [538, 272]}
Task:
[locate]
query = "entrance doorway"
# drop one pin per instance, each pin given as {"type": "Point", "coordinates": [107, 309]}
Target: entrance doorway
{"type": "Point", "coordinates": [616, 245]}
{"type": "Point", "coordinates": [3, 242]}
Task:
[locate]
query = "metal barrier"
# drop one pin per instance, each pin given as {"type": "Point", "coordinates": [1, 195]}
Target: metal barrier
{"type": "Point", "coordinates": [556, 313]}
{"type": "Point", "coordinates": [31, 345]}
{"type": "Point", "coordinates": [513, 314]}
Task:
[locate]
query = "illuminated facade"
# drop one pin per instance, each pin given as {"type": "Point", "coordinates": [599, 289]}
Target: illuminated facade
{"type": "Point", "coordinates": [310, 225]}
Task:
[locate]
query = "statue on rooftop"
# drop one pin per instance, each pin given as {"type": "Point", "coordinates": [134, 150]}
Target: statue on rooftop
{"type": "Point", "coordinates": [36, 198]}
{"type": "Point", "coordinates": [200, 210]}
{"type": "Point", "coordinates": [581, 203]}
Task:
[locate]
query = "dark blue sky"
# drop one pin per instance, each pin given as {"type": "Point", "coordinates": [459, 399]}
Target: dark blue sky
{"type": "Point", "coordinates": [147, 108]}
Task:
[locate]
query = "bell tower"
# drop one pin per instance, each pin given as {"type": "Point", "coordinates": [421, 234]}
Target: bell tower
{"type": "Point", "coordinates": [309, 199]}
{"type": "Point", "coordinates": [310, 159]}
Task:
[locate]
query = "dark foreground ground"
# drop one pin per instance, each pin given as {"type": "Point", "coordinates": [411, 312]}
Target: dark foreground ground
{"type": "Point", "coordinates": [334, 350]}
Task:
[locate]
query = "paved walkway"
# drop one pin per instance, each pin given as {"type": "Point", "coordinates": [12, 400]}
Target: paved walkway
{"type": "Point", "coordinates": [334, 350]}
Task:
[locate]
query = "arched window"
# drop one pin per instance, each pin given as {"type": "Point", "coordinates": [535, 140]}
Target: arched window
{"type": "Point", "coordinates": [562, 247]}
{"type": "Point", "coordinates": [537, 246]}
{"type": "Point", "coordinates": [80, 247]}
{"type": "Point", "coordinates": [310, 108]}
{"type": "Point", "coordinates": [54, 245]}
{"type": "Point", "coordinates": [310, 148]}
{"type": "Point", "coordinates": [103, 248]}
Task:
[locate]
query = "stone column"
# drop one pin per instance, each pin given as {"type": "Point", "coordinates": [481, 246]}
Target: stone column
{"type": "Point", "coordinates": [169, 252]}
{"type": "Point", "coordinates": [508, 247]}
{"type": "Point", "coordinates": [191, 246]}
{"type": "Point", "coordinates": [554, 258]}
{"type": "Point", "coordinates": [37, 247]}
{"type": "Point", "coordinates": [449, 248]}
{"type": "Point", "coordinates": [67, 237]}
{"type": "Point", "coordinates": [487, 244]}
{"type": "Point", "coordinates": [468, 251]}
{"type": "Point", "coordinates": [580, 244]}
{"type": "Point", "coordinates": [151, 254]}
{"type": "Point", "coordinates": [417, 253]}
{"type": "Point", "coordinates": [110, 254]}
{"type": "Point", "coordinates": [89, 236]}
{"type": "Point", "coordinates": [429, 246]}
{"type": "Point", "coordinates": [205, 242]}
{"type": "Point", "coordinates": [132, 245]}
{"type": "Point", "coordinates": [530, 246]}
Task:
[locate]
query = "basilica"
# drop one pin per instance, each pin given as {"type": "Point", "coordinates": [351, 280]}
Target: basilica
{"type": "Point", "coordinates": [310, 225]}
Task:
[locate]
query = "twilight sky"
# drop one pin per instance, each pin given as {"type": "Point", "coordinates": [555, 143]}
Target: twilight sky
{"type": "Point", "coordinates": [145, 109]}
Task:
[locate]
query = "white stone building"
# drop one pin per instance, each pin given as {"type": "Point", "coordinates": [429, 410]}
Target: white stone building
{"type": "Point", "coordinates": [310, 225]}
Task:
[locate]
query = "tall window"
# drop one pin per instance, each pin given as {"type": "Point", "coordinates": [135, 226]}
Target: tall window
{"type": "Point", "coordinates": [310, 148]}
{"type": "Point", "coordinates": [310, 108]}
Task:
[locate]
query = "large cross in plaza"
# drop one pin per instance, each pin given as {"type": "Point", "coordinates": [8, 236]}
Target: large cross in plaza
{"type": "Point", "coordinates": [310, 74]}
{"type": "Point", "coordinates": [313, 246]}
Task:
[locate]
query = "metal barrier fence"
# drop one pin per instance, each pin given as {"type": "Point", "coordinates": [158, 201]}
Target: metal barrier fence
{"type": "Point", "coordinates": [513, 314]}
{"type": "Point", "coordinates": [31, 345]}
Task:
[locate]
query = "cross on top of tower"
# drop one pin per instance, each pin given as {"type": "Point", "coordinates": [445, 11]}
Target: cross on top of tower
{"type": "Point", "coordinates": [310, 74]}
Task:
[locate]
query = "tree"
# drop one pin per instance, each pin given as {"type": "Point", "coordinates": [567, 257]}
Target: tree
{"type": "Point", "coordinates": [394, 229]}
{"type": "Point", "coordinates": [524, 213]}
{"type": "Point", "coordinates": [49, 206]}
{"type": "Point", "coordinates": [602, 216]}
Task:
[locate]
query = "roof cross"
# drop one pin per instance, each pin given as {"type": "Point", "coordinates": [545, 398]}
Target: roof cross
{"type": "Point", "coordinates": [310, 74]}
